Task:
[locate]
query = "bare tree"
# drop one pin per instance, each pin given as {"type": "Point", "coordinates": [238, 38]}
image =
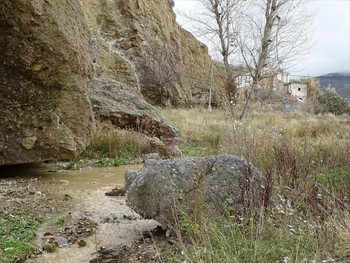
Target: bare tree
{"type": "Point", "coordinates": [272, 34]}
{"type": "Point", "coordinates": [262, 35]}
{"type": "Point", "coordinates": [216, 23]}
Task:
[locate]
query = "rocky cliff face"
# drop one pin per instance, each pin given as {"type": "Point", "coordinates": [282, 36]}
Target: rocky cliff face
{"type": "Point", "coordinates": [49, 52]}
{"type": "Point", "coordinates": [45, 71]}
{"type": "Point", "coordinates": [140, 44]}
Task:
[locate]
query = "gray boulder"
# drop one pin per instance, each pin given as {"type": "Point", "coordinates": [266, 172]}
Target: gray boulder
{"type": "Point", "coordinates": [45, 73]}
{"type": "Point", "coordinates": [224, 184]}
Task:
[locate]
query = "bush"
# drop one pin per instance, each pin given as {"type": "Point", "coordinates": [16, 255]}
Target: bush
{"type": "Point", "coordinates": [330, 101]}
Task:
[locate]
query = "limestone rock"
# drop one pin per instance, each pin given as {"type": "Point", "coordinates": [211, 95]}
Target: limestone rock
{"type": "Point", "coordinates": [163, 187]}
{"type": "Point", "coordinates": [44, 76]}
{"type": "Point", "coordinates": [114, 102]}
{"type": "Point", "coordinates": [127, 33]}
{"type": "Point", "coordinates": [197, 64]}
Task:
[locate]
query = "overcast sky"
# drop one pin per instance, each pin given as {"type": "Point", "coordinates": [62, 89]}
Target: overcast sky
{"type": "Point", "coordinates": [331, 52]}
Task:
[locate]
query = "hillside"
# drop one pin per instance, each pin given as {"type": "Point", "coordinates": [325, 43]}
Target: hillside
{"type": "Point", "coordinates": [340, 81]}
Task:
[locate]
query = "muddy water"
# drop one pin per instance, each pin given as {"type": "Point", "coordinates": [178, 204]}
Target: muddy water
{"type": "Point", "coordinates": [117, 223]}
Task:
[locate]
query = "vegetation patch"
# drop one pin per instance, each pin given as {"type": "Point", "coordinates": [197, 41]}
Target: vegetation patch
{"type": "Point", "coordinates": [17, 229]}
{"type": "Point", "coordinates": [22, 210]}
{"type": "Point", "coordinates": [305, 160]}
{"type": "Point", "coordinates": [112, 147]}
{"type": "Point", "coordinates": [336, 180]}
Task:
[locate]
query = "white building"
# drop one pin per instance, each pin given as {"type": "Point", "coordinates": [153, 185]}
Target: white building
{"type": "Point", "coordinates": [271, 79]}
{"type": "Point", "coordinates": [244, 81]}
{"type": "Point", "coordinates": [299, 91]}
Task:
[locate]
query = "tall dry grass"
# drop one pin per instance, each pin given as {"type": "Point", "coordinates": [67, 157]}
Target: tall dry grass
{"type": "Point", "coordinates": [306, 161]}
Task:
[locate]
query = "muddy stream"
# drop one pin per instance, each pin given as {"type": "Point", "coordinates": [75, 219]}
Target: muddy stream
{"type": "Point", "coordinates": [107, 219]}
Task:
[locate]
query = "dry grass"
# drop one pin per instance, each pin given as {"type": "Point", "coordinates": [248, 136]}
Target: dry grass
{"type": "Point", "coordinates": [305, 159]}
{"type": "Point", "coordinates": [113, 146]}
{"type": "Point", "coordinates": [343, 235]}
{"type": "Point", "coordinates": [202, 132]}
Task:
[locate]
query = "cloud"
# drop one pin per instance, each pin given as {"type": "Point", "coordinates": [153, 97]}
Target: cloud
{"type": "Point", "coordinates": [331, 52]}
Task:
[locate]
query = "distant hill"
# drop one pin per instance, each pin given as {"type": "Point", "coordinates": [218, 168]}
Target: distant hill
{"type": "Point", "coordinates": [339, 81]}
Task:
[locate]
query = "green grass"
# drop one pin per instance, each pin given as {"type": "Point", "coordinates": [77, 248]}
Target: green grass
{"type": "Point", "coordinates": [17, 229]}
{"type": "Point", "coordinates": [237, 243]}
{"type": "Point", "coordinates": [60, 221]}
{"type": "Point", "coordinates": [336, 180]}
{"type": "Point", "coordinates": [112, 147]}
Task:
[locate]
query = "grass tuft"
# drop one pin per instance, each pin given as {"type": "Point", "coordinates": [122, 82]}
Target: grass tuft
{"type": "Point", "coordinates": [113, 147]}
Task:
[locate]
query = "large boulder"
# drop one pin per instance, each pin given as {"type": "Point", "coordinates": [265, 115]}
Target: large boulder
{"type": "Point", "coordinates": [123, 107]}
{"type": "Point", "coordinates": [44, 77]}
{"type": "Point", "coordinates": [222, 184]}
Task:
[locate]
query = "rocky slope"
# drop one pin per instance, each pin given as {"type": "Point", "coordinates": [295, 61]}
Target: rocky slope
{"type": "Point", "coordinates": [44, 76]}
{"type": "Point", "coordinates": [114, 102]}
{"type": "Point", "coordinates": [140, 44]}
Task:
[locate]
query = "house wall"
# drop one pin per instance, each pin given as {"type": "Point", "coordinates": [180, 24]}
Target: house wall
{"type": "Point", "coordinates": [244, 81]}
{"type": "Point", "coordinates": [299, 91]}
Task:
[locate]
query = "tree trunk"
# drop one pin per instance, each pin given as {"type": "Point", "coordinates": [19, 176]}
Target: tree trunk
{"type": "Point", "coordinates": [244, 113]}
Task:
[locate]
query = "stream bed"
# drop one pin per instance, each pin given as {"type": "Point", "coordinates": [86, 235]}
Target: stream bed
{"type": "Point", "coordinates": [90, 220]}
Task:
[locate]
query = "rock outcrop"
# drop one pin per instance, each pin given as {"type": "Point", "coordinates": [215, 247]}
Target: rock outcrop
{"type": "Point", "coordinates": [222, 184]}
{"type": "Point", "coordinates": [44, 77]}
{"type": "Point", "coordinates": [115, 102]}
{"type": "Point", "coordinates": [140, 44]}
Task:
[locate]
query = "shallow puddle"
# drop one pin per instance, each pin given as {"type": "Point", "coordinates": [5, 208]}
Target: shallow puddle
{"type": "Point", "coordinates": [85, 191]}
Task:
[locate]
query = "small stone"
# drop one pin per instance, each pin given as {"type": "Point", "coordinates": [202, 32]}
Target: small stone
{"type": "Point", "coordinates": [168, 233]}
{"type": "Point", "coordinates": [81, 243]}
{"type": "Point", "coordinates": [29, 142]}
{"type": "Point", "coordinates": [49, 247]}
{"type": "Point", "coordinates": [116, 192]}
{"type": "Point", "coordinates": [36, 67]}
